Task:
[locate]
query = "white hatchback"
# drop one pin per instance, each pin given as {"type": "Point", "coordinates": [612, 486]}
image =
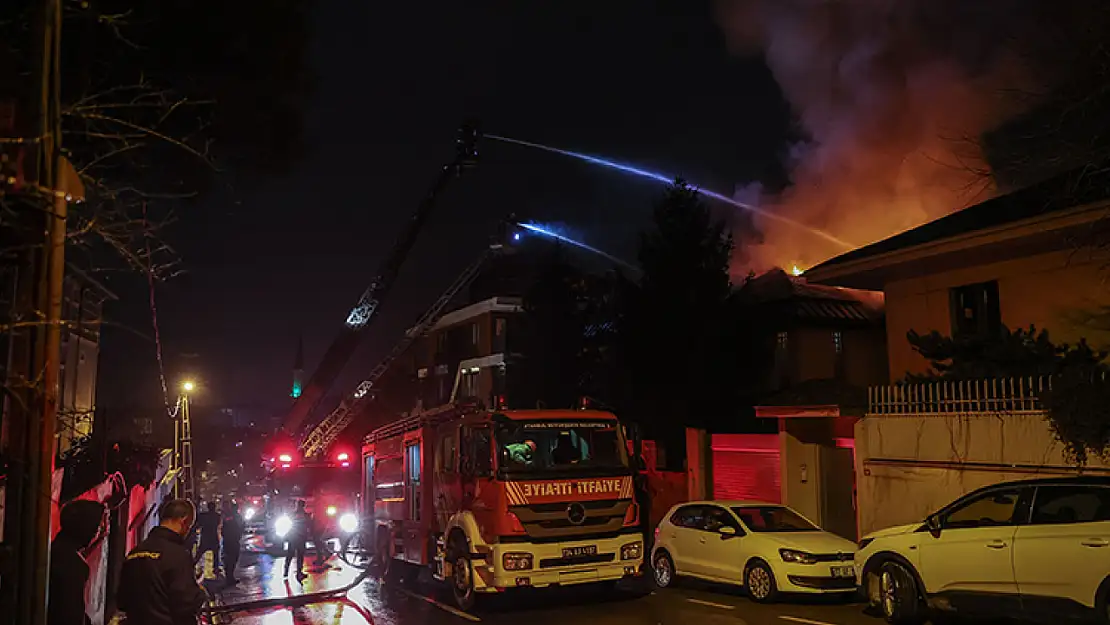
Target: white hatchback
{"type": "Point", "coordinates": [766, 548]}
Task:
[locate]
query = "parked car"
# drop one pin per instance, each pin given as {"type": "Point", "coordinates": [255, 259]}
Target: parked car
{"type": "Point", "coordinates": [1036, 550]}
{"type": "Point", "coordinates": [766, 548]}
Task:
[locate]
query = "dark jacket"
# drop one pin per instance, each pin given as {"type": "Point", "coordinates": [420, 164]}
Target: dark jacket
{"type": "Point", "coordinates": [208, 524]}
{"type": "Point", "coordinates": [158, 584]}
{"type": "Point", "coordinates": [69, 573]}
{"type": "Point", "coordinates": [233, 532]}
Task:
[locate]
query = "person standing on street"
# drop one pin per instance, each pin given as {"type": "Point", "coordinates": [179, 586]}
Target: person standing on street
{"type": "Point", "coordinates": [158, 584]}
{"type": "Point", "coordinates": [233, 535]}
{"type": "Point", "coordinates": [80, 523]}
{"type": "Point", "coordinates": [298, 536]}
{"type": "Point", "coordinates": [208, 525]}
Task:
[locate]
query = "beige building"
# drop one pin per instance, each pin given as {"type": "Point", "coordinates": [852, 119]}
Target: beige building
{"type": "Point", "coordinates": [1032, 257]}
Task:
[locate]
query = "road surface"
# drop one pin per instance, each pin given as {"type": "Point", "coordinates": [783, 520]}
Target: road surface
{"type": "Point", "coordinates": [374, 602]}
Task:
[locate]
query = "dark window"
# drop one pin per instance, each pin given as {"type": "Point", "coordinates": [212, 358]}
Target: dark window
{"type": "Point", "coordinates": [477, 459]}
{"type": "Point", "coordinates": [690, 517]}
{"type": "Point", "coordinates": [474, 333]}
{"type": "Point", "coordinates": [1071, 504]}
{"type": "Point", "coordinates": [773, 519]}
{"type": "Point", "coordinates": [838, 354]}
{"type": "Point", "coordinates": [975, 309]}
{"type": "Point", "coordinates": [499, 326]}
{"type": "Point", "coordinates": [716, 518]}
{"type": "Point", "coordinates": [997, 507]}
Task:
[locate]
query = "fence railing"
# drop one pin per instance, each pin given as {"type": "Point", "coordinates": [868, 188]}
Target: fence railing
{"type": "Point", "coordinates": [995, 395]}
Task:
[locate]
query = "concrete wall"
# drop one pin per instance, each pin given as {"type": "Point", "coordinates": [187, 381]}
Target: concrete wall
{"type": "Point", "coordinates": [1055, 291]}
{"type": "Point", "coordinates": [909, 466]}
{"type": "Point", "coordinates": [813, 355]}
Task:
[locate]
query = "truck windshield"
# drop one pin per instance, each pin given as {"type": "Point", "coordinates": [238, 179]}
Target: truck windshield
{"type": "Point", "coordinates": [526, 446]}
{"type": "Point", "coordinates": [306, 481]}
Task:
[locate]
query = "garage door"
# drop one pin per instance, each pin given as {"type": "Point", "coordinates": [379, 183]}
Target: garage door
{"type": "Point", "coordinates": [746, 466]}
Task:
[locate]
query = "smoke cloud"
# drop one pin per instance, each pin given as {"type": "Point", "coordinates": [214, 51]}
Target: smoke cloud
{"type": "Point", "coordinates": [893, 96]}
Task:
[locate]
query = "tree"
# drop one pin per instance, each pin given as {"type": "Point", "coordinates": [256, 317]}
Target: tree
{"type": "Point", "coordinates": [552, 343]}
{"type": "Point", "coordinates": [677, 327]}
{"type": "Point", "coordinates": [1079, 391]}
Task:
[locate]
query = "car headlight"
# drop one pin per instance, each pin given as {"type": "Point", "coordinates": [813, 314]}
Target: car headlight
{"type": "Point", "coordinates": [283, 525]}
{"type": "Point", "coordinates": [797, 557]}
{"type": "Point", "coordinates": [864, 542]}
{"type": "Point", "coordinates": [517, 561]}
{"type": "Point", "coordinates": [332, 511]}
{"type": "Point", "coordinates": [348, 523]}
{"type": "Point", "coordinates": [632, 551]}
{"type": "Point", "coordinates": [248, 514]}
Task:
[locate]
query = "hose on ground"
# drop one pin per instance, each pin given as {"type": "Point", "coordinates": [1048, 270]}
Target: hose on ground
{"type": "Point", "coordinates": [291, 601]}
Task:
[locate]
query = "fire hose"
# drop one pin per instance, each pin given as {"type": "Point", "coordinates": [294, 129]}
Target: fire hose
{"type": "Point", "coordinates": [319, 596]}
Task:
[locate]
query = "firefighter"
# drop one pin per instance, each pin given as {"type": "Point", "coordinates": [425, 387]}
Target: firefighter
{"type": "Point", "coordinates": [521, 453]}
{"type": "Point", "coordinates": [208, 526]}
{"type": "Point", "coordinates": [81, 523]}
{"type": "Point", "coordinates": [233, 536]}
{"type": "Point", "coordinates": [158, 584]}
{"type": "Point", "coordinates": [296, 539]}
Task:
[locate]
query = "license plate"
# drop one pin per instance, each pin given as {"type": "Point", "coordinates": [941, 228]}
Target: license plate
{"type": "Point", "coordinates": [843, 571]}
{"type": "Point", "coordinates": [576, 552]}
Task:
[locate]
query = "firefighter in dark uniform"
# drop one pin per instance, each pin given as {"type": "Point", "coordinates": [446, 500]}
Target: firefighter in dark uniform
{"type": "Point", "coordinates": [158, 584]}
{"type": "Point", "coordinates": [297, 538]}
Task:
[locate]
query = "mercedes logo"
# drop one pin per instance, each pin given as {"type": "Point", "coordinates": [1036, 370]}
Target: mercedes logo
{"type": "Point", "coordinates": [576, 513]}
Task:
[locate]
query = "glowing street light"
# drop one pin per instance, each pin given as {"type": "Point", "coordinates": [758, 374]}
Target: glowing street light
{"type": "Point", "coordinates": [188, 386]}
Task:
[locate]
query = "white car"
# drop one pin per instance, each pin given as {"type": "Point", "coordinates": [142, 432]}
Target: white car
{"type": "Point", "coordinates": [1036, 550]}
{"type": "Point", "coordinates": [766, 548]}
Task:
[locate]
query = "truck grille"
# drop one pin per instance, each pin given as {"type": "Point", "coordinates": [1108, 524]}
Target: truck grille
{"type": "Point", "coordinates": [567, 519]}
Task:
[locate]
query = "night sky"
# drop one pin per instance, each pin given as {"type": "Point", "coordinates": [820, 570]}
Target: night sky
{"type": "Point", "coordinates": [643, 81]}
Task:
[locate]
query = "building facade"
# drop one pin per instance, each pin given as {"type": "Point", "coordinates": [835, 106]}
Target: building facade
{"type": "Point", "coordinates": [83, 310]}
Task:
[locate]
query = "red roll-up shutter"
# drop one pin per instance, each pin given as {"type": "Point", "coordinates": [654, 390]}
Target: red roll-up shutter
{"type": "Point", "coordinates": [746, 466]}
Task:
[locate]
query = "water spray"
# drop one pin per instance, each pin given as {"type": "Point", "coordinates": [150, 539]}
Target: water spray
{"type": "Point", "coordinates": [565, 239]}
{"type": "Point", "coordinates": [651, 175]}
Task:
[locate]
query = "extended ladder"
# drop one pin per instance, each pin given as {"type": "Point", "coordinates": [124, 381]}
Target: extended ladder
{"type": "Point", "coordinates": [317, 441]}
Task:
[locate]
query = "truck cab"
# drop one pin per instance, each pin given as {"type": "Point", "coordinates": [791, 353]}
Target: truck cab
{"type": "Point", "coordinates": [493, 500]}
{"type": "Point", "coordinates": [330, 491]}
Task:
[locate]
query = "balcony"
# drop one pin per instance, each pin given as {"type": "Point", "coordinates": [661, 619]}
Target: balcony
{"type": "Point", "coordinates": [1015, 395]}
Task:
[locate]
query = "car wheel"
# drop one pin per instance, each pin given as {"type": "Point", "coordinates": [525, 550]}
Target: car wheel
{"type": "Point", "coordinates": [462, 576]}
{"type": "Point", "coordinates": [899, 596]}
{"type": "Point", "coordinates": [662, 568]}
{"type": "Point", "coordinates": [759, 581]}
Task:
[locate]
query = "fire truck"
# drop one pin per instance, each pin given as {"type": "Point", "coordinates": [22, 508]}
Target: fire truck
{"type": "Point", "coordinates": [330, 490]}
{"type": "Point", "coordinates": [496, 499]}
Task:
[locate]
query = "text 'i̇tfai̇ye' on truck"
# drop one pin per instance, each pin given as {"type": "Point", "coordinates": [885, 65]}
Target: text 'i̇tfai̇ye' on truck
{"type": "Point", "coordinates": [497, 499]}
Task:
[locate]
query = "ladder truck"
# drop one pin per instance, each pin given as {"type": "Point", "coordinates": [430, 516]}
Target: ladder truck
{"type": "Point", "coordinates": [307, 479]}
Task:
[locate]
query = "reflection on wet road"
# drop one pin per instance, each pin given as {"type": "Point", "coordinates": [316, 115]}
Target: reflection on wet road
{"type": "Point", "coordinates": [373, 602]}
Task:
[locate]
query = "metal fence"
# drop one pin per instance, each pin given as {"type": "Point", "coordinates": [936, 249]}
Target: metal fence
{"type": "Point", "coordinates": [995, 395]}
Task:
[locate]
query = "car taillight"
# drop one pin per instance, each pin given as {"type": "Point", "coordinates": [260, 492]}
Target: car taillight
{"type": "Point", "coordinates": [657, 534]}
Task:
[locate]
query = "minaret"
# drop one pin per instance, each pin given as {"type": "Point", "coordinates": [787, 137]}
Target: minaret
{"type": "Point", "coordinates": [298, 370]}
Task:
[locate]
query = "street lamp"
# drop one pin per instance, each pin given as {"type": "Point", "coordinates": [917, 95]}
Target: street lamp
{"type": "Point", "coordinates": [188, 386]}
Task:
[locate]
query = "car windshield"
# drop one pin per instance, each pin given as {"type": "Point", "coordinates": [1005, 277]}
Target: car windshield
{"type": "Point", "coordinates": [773, 519]}
{"type": "Point", "coordinates": [305, 481]}
{"type": "Point", "coordinates": [555, 445]}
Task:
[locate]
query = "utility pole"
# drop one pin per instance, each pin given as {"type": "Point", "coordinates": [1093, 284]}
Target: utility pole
{"type": "Point", "coordinates": [31, 417]}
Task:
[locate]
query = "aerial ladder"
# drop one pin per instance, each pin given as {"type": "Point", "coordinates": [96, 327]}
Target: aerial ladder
{"type": "Point", "coordinates": [365, 311]}
{"type": "Point", "coordinates": [320, 438]}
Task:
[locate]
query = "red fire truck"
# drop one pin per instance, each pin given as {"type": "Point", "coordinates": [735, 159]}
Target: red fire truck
{"type": "Point", "coordinates": [492, 500]}
{"type": "Point", "coordinates": [329, 490]}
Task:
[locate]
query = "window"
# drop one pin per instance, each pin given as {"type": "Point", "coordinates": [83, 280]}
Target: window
{"type": "Point", "coordinates": [469, 385]}
{"type": "Point", "coordinates": [447, 460]}
{"type": "Point", "coordinates": [975, 309]}
{"type": "Point", "coordinates": [782, 341]}
{"type": "Point", "coordinates": [690, 517]}
{"type": "Point", "coordinates": [716, 518]}
{"type": "Point", "coordinates": [477, 458]}
{"type": "Point", "coordinates": [499, 327]}
{"type": "Point", "coordinates": [1071, 504]}
{"type": "Point", "coordinates": [773, 519]}
{"type": "Point", "coordinates": [782, 360]}
{"type": "Point", "coordinates": [999, 507]}
{"type": "Point", "coordinates": [474, 333]}
{"type": "Point", "coordinates": [541, 446]}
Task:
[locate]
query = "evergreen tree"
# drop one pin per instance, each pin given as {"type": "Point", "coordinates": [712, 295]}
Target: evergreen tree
{"type": "Point", "coordinates": [678, 331]}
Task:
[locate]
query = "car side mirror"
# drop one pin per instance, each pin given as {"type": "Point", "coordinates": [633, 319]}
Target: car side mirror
{"type": "Point", "coordinates": [933, 523]}
{"type": "Point", "coordinates": [726, 531]}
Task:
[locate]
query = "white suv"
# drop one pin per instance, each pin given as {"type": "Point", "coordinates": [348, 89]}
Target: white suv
{"type": "Point", "coordinates": [1035, 550]}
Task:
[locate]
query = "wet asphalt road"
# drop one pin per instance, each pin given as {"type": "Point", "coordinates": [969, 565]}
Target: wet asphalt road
{"type": "Point", "coordinates": [371, 601]}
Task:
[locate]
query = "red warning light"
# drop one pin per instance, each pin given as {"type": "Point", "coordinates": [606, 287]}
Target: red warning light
{"type": "Point", "coordinates": [343, 457]}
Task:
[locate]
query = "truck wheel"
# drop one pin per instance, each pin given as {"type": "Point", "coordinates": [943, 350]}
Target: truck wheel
{"type": "Point", "coordinates": [462, 575]}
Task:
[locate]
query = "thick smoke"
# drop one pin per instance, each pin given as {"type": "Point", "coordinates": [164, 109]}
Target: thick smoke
{"type": "Point", "coordinates": [894, 96]}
